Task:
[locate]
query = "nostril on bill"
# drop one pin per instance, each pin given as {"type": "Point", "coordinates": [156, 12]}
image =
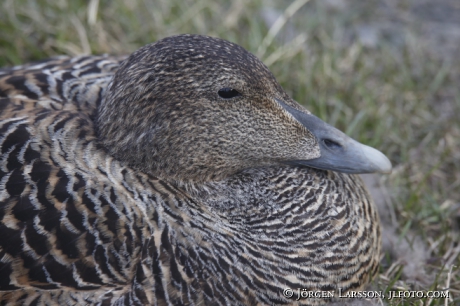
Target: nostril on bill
{"type": "Point", "coordinates": [331, 144]}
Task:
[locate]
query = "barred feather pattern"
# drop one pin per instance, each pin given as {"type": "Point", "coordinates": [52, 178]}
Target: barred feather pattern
{"type": "Point", "coordinates": [80, 228]}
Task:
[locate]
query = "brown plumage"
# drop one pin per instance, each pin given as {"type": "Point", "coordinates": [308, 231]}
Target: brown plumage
{"type": "Point", "coordinates": [180, 179]}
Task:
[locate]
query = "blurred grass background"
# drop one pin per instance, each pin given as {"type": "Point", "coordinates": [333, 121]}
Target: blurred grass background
{"type": "Point", "coordinates": [385, 72]}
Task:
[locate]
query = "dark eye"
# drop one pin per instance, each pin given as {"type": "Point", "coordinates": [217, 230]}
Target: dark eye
{"type": "Point", "coordinates": [228, 93]}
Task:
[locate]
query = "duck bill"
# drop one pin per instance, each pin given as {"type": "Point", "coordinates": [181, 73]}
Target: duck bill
{"type": "Point", "coordinates": [338, 151]}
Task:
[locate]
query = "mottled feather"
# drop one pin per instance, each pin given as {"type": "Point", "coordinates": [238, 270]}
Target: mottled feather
{"type": "Point", "coordinates": [83, 225]}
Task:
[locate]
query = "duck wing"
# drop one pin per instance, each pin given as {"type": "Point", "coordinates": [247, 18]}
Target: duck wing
{"type": "Point", "coordinates": [67, 231]}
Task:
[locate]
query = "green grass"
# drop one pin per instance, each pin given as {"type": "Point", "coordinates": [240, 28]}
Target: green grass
{"type": "Point", "coordinates": [404, 102]}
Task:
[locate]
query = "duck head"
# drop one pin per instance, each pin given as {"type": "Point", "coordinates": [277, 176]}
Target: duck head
{"type": "Point", "coordinates": [194, 108]}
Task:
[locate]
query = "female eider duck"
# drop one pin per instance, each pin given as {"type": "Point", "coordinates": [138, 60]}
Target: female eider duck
{"type": "Point", "coordinates": [181, 175]}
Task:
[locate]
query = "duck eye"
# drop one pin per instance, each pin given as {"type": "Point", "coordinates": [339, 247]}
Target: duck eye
{"type": "Point", "coordinates": [228, 93]}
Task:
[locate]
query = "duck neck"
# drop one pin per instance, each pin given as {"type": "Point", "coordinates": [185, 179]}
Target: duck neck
{"type": "Point", "coordinates": [278, 227]}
